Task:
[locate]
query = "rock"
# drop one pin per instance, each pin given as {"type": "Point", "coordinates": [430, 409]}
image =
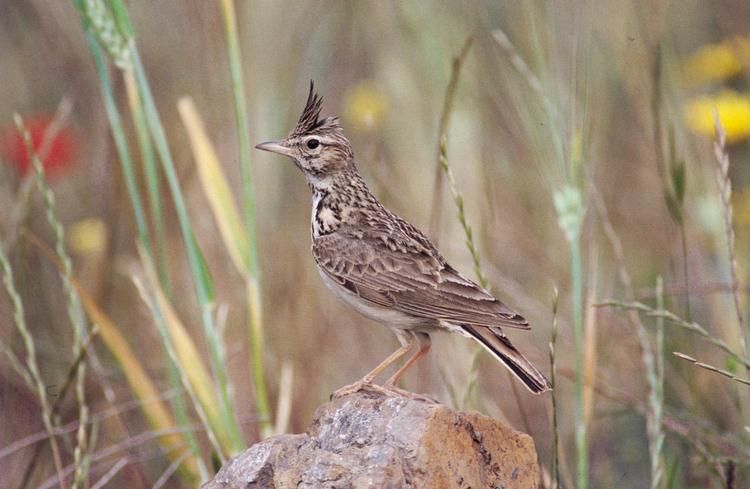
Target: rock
{"type": "Point", "coordinates": [372, 440]}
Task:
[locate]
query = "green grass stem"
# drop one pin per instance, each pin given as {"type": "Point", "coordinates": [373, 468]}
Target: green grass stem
{"type": "Point", "coordinates": [201, 279]}
{"type": "Point", "coordinates": [151, 171]}
{"type": "Point", "coordinates": [252, 278]}
{"type": "Point", "coordinates": [115, 33]}
{"type": "Point", "coordinates": [655, 377]}
{"type": "Point", "coordinates": [128, 170]}
{"type": "Point", "coordinates": [120, 139]}
{"type": "Point", "coordinates": [150, 300]}
{"type": "Point", "coordinates": [582, 451]}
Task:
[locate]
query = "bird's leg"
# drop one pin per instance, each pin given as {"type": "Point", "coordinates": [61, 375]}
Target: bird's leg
{"type": "Point", "coordinates": [406, 341]}
{"type": "Point", "coordinates": [423, 342]}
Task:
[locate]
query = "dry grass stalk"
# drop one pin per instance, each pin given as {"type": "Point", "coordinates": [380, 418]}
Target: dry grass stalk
{"type": "Point", "coordinates": [184, 354]}
{"type": "Point", "coordinates": [31, 363]}
{"type": "Point", "coordinates": [450, 94]}
{"type": "Point", "coordinates": [553, 382]}
{"type": "Point", "coordinates": [673, 318]}
{"type": "Point", "coordinates": [725, 191]}
{"type": "Point", "coordinates": [155, 411]}
{"type": "Point", "coordinates": [589, 345]}
{"type": "Point", "coordinates": [21, 206]}
{"type": "Point", "coordinates": [111, 473]}
{"type": "Point", "coordinates": [711, 368]}
{"type": "Point", "coordinates": [654, 408]}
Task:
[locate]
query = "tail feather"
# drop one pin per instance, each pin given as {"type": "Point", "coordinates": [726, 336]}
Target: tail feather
{"type": "Point", "coordinates": [501, 347]}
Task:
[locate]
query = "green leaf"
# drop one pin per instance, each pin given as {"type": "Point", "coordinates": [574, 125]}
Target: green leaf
{"type": "Point", "coordinates": [122, 20]}
{"type": "Point", "coordinates": [215, 186]}
{"type": "Point", "coordinates": [678, 180]}
{"type": "Point", "coordinates": [676, 170]}
{"type": "Point", "coordinates": [674, 208]}
{"type": "Point", "coordinates": [731, 364]}
{"type": "Point", "coordinates": [204, 275]}
{"type": "Point", "coordinates": [673, 481]}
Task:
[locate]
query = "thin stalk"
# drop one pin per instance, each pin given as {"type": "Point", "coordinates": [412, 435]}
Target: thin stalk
{"type": "Point", "coordinates": [257, 349]}
{"type": "Point", "coordinates": [450, 95]}
{"type": "Point", "coordinates": [31, 362]}
{"type": "Point", "coordinates": [201, 279]}
{"type": "Point", "coordinates": [152, 178]}
{"type": "Point", "coordinates": [17, 366]}
{"type": "Point", "coordinates": [576, 267]}
{"type": "Point", "coordinates": [153, 305]}
{"type": "Point", "coordinates": [21, 206]}
{"type": "Point", "coordinates": [534, 83]}
{"type": "Point", "coordinates": [653, 368]}
{"type": "Point", "coordinates": [725, 191]}
{"type": "Point", "coordinates": [691, 326]}
{"type": "Point", "coordinates": [113, 28]}
{"type": "Point", "coordinates": [128, 170]}
{"type": "Point", "coordinates": [685, 271]}
{"type": "Point", "coordinates": [252, 278]}
{"type": "Point", "coordinates": [72, 302]}
{"type": "Point", "coordinates": [656, 395]}
{"type": "Point", "coordinates": [105, 329]}
{"type": "Point", "coordinates": [121, 144]}
{"type": "Point", "coordinates": [458, 200]}
{"type": "Point", "coordinates": [711, 368]}
{"type": "Point", "coordinates": [553, 382]}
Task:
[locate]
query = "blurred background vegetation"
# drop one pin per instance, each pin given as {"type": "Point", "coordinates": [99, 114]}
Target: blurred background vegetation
{"type": "Point", "coordinates": [141, 235]}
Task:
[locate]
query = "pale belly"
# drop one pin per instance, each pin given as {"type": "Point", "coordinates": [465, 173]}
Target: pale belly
{"type": "Point", "coordinates": [387, 316]}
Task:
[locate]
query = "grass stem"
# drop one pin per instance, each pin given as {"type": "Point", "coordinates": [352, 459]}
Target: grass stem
{"type": "Point", "coordinates": [31, 362]}
{"type": "Point", "coordinates": [450, 95]}
{"type": "Point", "coordinates": [553, 381]}
{"type": "Point", "coordinates": [725, 191]}
{"type": "Point", "coordinates": [655, 378]}
{"type": "Point", "coordinates": [252, 278]}
{"type": "Point", "coordinates": [576, 268]}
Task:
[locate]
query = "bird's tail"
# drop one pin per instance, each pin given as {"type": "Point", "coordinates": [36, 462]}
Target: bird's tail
{"type": "Point", "coordinates": [501, 347]}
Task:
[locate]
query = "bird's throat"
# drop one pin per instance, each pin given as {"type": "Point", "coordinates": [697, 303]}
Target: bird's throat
{"type": "Point", "coordinates": [327, 213]}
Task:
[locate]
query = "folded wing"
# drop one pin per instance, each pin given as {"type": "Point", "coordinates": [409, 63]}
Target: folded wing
{"type": "Point", "coordinates": [393, 269]}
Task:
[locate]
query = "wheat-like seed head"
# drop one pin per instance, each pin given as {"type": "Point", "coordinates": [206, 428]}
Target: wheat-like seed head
{"type": "Point", "coordinates": [103, 24]}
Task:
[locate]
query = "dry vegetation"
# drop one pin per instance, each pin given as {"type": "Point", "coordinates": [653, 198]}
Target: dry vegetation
{"type": "Point", "coordinates": [572, 146]}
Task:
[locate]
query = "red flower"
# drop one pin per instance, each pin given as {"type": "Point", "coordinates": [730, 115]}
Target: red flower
{"type": "Point", "coordinates": [60, 152]}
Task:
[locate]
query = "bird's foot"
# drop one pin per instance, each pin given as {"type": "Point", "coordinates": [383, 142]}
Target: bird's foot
{"type": "Point", "coordinates": [392, 389]}
{"type": "Point", "coordinates": [360, 385]}
{"type": "Point", "coordinates": [386, 390]}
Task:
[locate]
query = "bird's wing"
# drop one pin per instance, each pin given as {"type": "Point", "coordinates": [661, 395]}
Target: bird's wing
{"type": "Point", "coordinates": [405, 271]}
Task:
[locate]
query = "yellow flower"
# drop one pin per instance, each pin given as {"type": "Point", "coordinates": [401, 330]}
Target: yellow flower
{"type": "Point", "coordinates": [717, 62]}
{"type": "Point", "coordinates": [734, 114]}
{"type": "Point", "coordinates": [364, 106]}
{"type": "Point", "coordinates": [87, 236]}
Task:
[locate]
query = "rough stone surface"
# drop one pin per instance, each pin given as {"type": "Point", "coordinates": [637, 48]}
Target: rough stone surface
{"type": "Point", "coordinates": [369, 440]}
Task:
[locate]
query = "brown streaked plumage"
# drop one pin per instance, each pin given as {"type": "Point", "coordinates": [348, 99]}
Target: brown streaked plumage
{"type": "Point", "coordinates": [384, 267]}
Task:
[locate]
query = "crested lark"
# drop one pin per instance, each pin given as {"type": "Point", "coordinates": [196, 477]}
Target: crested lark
{"type": "Point", "coordinates": [384, 267]}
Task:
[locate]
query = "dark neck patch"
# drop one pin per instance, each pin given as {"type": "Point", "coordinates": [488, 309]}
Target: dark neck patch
{"type": "Point", "coordinates": [327, 213]}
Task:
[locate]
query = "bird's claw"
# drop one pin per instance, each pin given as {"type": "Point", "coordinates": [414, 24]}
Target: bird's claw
{"type": "Point", "coordinates": [386, 390]}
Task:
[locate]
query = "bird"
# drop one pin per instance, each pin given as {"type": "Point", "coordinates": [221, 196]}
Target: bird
{"type": "Point", "coordinates": [384, 267]}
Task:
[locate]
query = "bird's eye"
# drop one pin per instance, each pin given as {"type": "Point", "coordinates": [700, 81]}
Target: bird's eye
{"type": "Point", "coordinates": [313, 143]}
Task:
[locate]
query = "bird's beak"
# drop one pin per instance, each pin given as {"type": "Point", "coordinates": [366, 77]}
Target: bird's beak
{"type": "Point", "coordinates": [279, 147]}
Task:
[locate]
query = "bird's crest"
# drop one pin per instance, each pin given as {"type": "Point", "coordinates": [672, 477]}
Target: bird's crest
{"type": "Point", "coordinates": [310, 118]}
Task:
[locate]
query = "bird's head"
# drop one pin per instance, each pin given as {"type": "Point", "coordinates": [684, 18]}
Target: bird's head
{"type": "Point", "coordinates": [317, 146]}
